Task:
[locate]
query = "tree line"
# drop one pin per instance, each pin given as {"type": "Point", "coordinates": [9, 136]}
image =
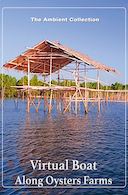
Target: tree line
{"type": "Point", "coordinates": [10, 92]}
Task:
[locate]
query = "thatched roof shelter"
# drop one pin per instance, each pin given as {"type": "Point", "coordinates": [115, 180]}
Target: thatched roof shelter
{"type": "Point", "coordinates": [40, 55]}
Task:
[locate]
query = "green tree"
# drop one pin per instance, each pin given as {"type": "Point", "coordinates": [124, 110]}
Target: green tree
{"type": "Point", "coordinates": [92, 85]}
{"type": "Point", "coordinates": [117, 86]}
{"type": "Point", "coordinates": [54, 82]}
{"type": "Point", "coordinates": [8, 81]}
{"type": "Point", "coordinates": [34, 81]}
{"type": "Point", "coordinates": [22, 81]}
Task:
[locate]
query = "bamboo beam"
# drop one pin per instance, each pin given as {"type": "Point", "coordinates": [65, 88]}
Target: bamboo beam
{"type": "Point", "coordinates": [15, 65]}
{"type": "Point", "coordinates": [31, 48]}
{"type": "Point", "coordinates": [38, 105]}
{"type": "Point", "coordinates": [42, 73]}
{"type": "Point", "coordinates": [90, 106]}
{"type": "Point", "coordinates": [69, 103]}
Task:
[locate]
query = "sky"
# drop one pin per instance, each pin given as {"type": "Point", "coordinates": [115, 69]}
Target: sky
{"type": "Point", "coordinates": [103, 41]}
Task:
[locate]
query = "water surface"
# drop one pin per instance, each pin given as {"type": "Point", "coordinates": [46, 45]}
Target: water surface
{"type": "Point", "coordinates": [95, 137]}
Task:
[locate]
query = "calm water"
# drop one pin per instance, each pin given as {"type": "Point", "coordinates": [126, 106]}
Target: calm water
{"type": "Point", "coordinates": [88, 138]}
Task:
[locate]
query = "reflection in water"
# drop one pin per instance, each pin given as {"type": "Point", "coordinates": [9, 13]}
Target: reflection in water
{"type": "Point", "coordinates": [56, 137]}
{"type": "Point", "coordinates": [52, 139]}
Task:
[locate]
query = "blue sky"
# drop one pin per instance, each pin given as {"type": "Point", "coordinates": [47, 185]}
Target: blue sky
{"type": "Point", "coordinates": [103, 41]}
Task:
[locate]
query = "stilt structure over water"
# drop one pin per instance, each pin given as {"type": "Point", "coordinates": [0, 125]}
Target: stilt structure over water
{"type": "Point", "coordinates": [48, 58]}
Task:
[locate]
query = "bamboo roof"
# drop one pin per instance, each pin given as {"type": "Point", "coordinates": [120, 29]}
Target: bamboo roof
{"type": "Point", "coordinates": [40, 55]}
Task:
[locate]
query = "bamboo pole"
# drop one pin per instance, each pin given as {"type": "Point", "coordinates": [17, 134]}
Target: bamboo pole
{"type": "Point", "coordinates": [79, 81]}
{"type": "Point", "coordinates": [76, 103]}
{"type": "Point", "coordinates": [58, 77]}
{"type": "Point", "coordinates": [28, 98]}
{"type": "Point", "coordinates": [76, 90]}
{"type": "Point", "coordinates": [86, 103]}
{"type": "Point", "coordinates": [90, 106]}
{"type": "Point", "coordinates": [50, 103]}
{"type": "Point", "coordinates": [59, 102]}
{"type": "Point", "coordinates": [107, 94]}
{"type": "Point", "coordinates": [38, 106]}
{"type": "Point", "coordinates": [23, 92]}
{"type": "Point", "coordinates": [44, 101]}
{"type": "Point", "coordinates": [44, 74]}
{"type": "Point", "coordinates": [98, 85]}
{"type": "Point", "coordinates": [69, 103]}
{"type": "Point", "coordinates": [50, 67]}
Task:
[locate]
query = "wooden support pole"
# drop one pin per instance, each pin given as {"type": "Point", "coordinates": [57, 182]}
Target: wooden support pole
{"type": "Point", "coordinates": [44, 101]}
{"type": "Point", "coordinates": [58, 77]}
{"type": "Point", "coordinates": [39, 101]}
{"type": "Point", "coordinates": [90, 106]}
{"type": "Point", "coordinates": [28, 106]}
{"type": "Point", "coordinates": [59, 102]}
{"type": "Point", "coordinates": [44, 74]}
{"type": "Point", "coordinates": [28, 98]}
{"type": "Point", "coordinates": [82, 98]}
{"type": "Point", "coordinates": [54, 98]}
{"type": "Point", "coordinates": [28, 73]}
{"type": "Point", "coordinates": [50, 67]}
{"type": "Point", "coordinates": [78, 76]}
{"type": "Point", "coordinates": [76, 103]}
{"type": "Point", "coordinates": [106, 93]}
{"type": "Point", "coordinates": [107, 99]}
{"type": "Point", "coordinates": [23, 92]}
{"type": "Point", "coordinates": [23, 96]}
{"type": "Point", "coordinates": [70, 104]}
{"type": "Point", "coordinates": [32, 102]}
{"type": "Point", "coordinates": [76, 90]}
{"type": "Point", "coordinates": [50, 103]}
{"type": "Point", "coordinates": [98, 86]}
{"type": "Point", "coordinates": [86, 103]}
